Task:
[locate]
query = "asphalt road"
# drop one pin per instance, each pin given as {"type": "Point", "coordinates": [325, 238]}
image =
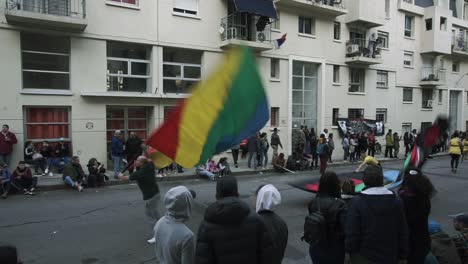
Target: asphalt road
{"type": "Point", "coordinates": [107, 225]}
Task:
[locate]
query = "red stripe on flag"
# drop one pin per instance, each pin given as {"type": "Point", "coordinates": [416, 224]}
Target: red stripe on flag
{"type": "Point", "coordinates": [169, 131]}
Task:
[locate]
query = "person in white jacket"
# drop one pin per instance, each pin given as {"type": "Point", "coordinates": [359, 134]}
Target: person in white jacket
{"type": "Point", "coordinates": [175, 242]}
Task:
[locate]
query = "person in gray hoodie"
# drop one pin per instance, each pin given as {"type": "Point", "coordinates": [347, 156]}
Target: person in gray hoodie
{"type": "Point", "coordinates": [175, 242]}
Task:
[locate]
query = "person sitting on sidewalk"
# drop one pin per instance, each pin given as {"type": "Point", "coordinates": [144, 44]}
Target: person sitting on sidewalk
{"type": "Point", "coordinates": [47, 154]}
{"type": "Point", "coordinates": [460, 223]}
{"type": "Point", "coordinates": [5, 177]}
{"type": "Point", "coordinates": [212, 166]}
{"type": "Point", "coordinates": [35, 158]}
{"type": "Point", "coordinates": [73, 174]}
{"type": "Point", "coordinates": [223, 167]}
{"type": "Point", "coordinates": [23, 180]}
{"type": "Point", "coordinates": [97, 176]}
{"type": "Point", "coordinates": [368, 160]}
{"type": "Point", "coordinates": [279, 163]}
{"type": "Point", "coordinates": [62, 155]}
{"type": "Point", "coordinates": [202, 171]}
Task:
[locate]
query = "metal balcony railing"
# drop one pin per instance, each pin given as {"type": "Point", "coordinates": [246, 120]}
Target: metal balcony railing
{"type": "Point", "coordinates": [363, 47]}
{"type": "Point", "coordinates": [333, 3]}
{"type": "Point", "coordinates": [460, 44]}
{"type": "Point", "coordinates": [72, 8]}
{"type": "Point", "coordinates": [245, 27]}
{"type": "Point", "coordinates": [432, 74]}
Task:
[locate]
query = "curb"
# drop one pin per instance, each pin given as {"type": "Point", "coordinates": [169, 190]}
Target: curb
{"type": "Point", "coordinates": [57, 187]}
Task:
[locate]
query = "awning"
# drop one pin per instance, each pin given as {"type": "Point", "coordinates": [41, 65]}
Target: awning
{"type": "Point", "coordinates": [259, 7]}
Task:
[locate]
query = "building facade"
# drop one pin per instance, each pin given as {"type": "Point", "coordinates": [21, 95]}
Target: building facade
{"type": "Point", "coordinates": [79, 70]}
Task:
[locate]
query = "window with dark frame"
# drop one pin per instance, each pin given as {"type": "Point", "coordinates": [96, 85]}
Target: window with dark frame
{"type": "Point", "coordinates": [383, 38]}
{"type": "Point", "coordinates": [181, 69]}
{"type": "Point", "coordinates": [336, 74]}
{"type": "Point", "coordinates": [355, 113]}
{"type": "Point", "coordinates": [427, 98]}
{"type": "Point", "coordinates": [408, 58]}
{"type": "Point", "coordinates": [47, 123]}
{"type": "Point", "coordinates": [274, 68]}
{"type": "Point", "coordinates": [409, 26]}
{"type": "Point", "coordinates": [274, 117]}
{"type": "Point", "coordinates": [443, 23]}
{"type": "Point", "coordinates": [381, 115]}
{"type": "Point", "coordinates": [429, 24]}
{"type": "Point", "coordinates": [307, 25]}
{"type": "Point", "coordinates": [382, 79]}
{"type": "Point", "coordinates": [335, 116]}
{"type": "Point", "coordinates": [189, 7]}
{"type": "Point", "coordinates": [356, 80]}
{"type": "Point", "coordinates": [455, 66]}
{"type": "Point", "coordinates": [407, 95]}
{"type": "Point", "coordinates": [441, 96]}
{"type": "Point", "coordinates": [425, 125]}
{"type": "Point", "coordinates": [337, 31]}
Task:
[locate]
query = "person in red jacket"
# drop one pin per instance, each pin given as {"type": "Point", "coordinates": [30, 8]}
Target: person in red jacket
{"type": "Point", "coordinates": [7, 140]}
{"type": "Point", "coordinates": [23, 180]}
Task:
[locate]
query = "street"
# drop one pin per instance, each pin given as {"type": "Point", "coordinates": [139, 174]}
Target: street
{"type": "Point", "coordinates": [107, 225]}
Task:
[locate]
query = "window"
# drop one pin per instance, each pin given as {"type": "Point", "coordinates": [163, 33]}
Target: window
{"type": "Point", "coordinates": [356, 80]}
{"type": "Point", "coordinates": [381, 115]}
{"type": "Point", "coordinates": [443, 23]}
{"type": "Point", "coordinates": [274, 69]}
{"type": "Point", "coordinates": [335, 116]}
{"type": "Point", "coordinates": [45, 61]}
{"type": "Point", "coordinates": [354, 113]}
{"type": "Point", "coordinates": [440, 97]}
{"type": "Point", "coordinates": [337, 31]}
{"type": "Point", "coordinates": [274, 117]}
{"type": "Point", "coordinates": [387, 8]}
{"type": "Point", "coordinates": [442, 64]}
{"type": "Point", "coordinates": [406, 127]}
{"type": "Point", "coordinates": [128, 67]}
{"type": "Point", "coordinates": [47, 123]}
{"type": "Point", "coordinates": [189, 7]}
{"type": "Point", "coordinates": [407, 95]}
{"type": "Point", "coordinates": [307, 25]}
{"type": "Point", "coordinates": [181, 69]}
{"type": "Point", "coordinates": [382, 79]}
{"type": "Point", "coordinates": [126, 2]}
{"type": "Point", "coordinates": [425, 125]}
{"type": "Point", "coordinates": [382, 37]}
{"type": "Point", "coordinates": [336, 74]}
{"type": "Point", "coordinates": [275, 23]}
{"type": "Point", "coordinates": [408, 59]}
{"type": "Point", "coordinates": [427, 98]}
{"type": "Point", "coordinates": [429, 24]}
{"type": "Point", "coordinates": [409, 26]}
{"type": "Point", "coordinates": [456, 66]}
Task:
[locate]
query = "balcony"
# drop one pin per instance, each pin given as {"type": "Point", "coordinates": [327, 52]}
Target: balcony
{"type": "Point", "coordinates": [362, 14]}
{"type": "Point", "coordinates": [408, 6]}
{"type": "Point", "coordinates": [362, 52]}
{"type": "Point", "coordinates": [459, 47]}
{"type": "Point", "coordinates": [321, 7]}
{"type": "Point", "coordinates": [247, 30]}
{"type": "Point", "coordinates": [431, 77]}
{"type": "Point", "coordinates": [68, 15]}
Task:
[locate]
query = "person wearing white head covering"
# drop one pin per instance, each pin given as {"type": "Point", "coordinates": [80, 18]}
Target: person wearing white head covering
{"type": "Point", "coordinates": [267, 198]}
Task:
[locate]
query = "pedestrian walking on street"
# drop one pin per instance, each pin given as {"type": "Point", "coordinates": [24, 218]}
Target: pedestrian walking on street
{"type": "Point", "coordinates": [353, 148]}
{"type": "Point", "coordinates": [175, 242]}
{"type": "Point", "coordinates": [376, 228]}
{"type": "Point", "coordinates": [396, 145]}
{"type": "Point", "coordinates": [7, 140]}
{"type": "Point", "coordinates": [345, 146]}
{"type": "Point", "coordinates": [73, 174]}
{"type": "Point", "coordinates": [331, 147]}
{"type": "Point", "coordinates": [275, 141]}
{"type": "Point", "coordinates": [235, 154]}
{"type": "Point", "coordinates": [455, 151]}
{"type": "Point", "coordinates": [389, 144]}
{"type": "Point", "coordinates": [253, 149]}
{"type": "Point", "coordinates": [330, 249]}
{"type": "Point", "coordinates": [322, 152]}
{"type": "Point", "coordinates": [415, 193]}
{"type": "Point", "coordinates": [230, 233]}
{"type": "Point", "coordinates": [145, 176]}
{"type": "Point", "coordinates": [117, 152]}
{"type": "Point", "coordinates": [267, 197]}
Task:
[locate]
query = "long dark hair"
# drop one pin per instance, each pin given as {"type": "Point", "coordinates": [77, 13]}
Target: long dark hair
{"type": "Point", "coordinates": [330, 185]}
{"type": "Point", "coordinates": [91, 162]}
{"type": "Point", "coordinates": [417, 183]}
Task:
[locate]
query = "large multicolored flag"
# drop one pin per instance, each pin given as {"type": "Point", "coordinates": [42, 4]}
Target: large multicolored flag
{"type": "Point", "coordinates": [223, 110]}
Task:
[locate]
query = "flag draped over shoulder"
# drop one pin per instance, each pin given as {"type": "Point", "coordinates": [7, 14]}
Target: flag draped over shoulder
{"type": "Point", "coordinates": [223, 110]}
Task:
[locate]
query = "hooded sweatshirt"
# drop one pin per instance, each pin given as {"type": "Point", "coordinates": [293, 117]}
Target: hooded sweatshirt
{"type": "Point", "coordinates": [376, 227]}
{"type": "Point", "coordinates": [175, 243]}
{"type": "Point", "coordinates": [268, 198]}
{"type": "Point", "coordinates": [230, 234]}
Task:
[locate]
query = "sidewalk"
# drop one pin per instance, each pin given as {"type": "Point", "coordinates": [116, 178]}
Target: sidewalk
{"type": "Point", "coordinates": [55, 182]}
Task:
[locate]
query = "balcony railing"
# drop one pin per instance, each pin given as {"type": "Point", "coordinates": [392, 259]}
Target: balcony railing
{"type": "Point", "coordinates": [460, 44]}
{"type": "Point", "coordinates": [432, 74]}
{"type": "Point", "coordinates": [363, 48]}
{"type": "Point", "coordinates": [246, 27]}
{"type": "Point", "coordinates": [68, 8]}
{"type": "Point", "coordinates": [333, 3]}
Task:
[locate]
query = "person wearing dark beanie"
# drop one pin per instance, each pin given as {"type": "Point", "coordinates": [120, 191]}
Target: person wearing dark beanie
{"type": "Point", "coordinates": [230, 233]}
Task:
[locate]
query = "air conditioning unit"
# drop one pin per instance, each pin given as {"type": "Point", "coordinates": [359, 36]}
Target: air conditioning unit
{"type": "Point", "coordinates": [429, 103]}
{"type": "Point", "coordinates": [352, 48]}
{"type": "Point", "coordinates": [260, 36]}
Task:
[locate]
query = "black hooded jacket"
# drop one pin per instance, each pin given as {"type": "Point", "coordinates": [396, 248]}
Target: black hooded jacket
{"type": "Point", "coordinates": [231, 234]}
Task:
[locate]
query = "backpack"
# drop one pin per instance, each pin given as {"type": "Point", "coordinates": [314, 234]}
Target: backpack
{"type": "Point", "coordinates": [315, 227]}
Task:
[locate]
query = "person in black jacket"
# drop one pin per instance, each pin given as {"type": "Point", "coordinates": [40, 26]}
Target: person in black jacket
{"type": "Point", "coordinates": [267, 197]}
{"type": "Point", "coordinates": [376, 228]}
{"type": "Point", "coordinates": [332, 250]}
{"type": "Point", "coordinates": [133, 149]}
{"type": "Point", "coordinates": [415, 192]}
{"type": "Point", "coordinates": [230, 233]}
